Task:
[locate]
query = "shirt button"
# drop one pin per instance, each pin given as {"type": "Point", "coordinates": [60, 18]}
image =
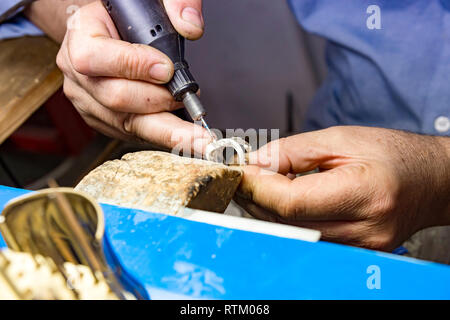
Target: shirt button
{"type": "Point", "coordinates": [442, 124]}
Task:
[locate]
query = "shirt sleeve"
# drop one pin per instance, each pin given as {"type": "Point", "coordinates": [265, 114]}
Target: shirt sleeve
{"type": "Point", "coordinates": [17, 26]}
{"type": "Point", "coordinates": [5, 5]}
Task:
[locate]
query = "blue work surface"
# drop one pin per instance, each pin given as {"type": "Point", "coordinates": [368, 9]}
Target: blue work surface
{"type": "Point", "coordinates": [177, 258]}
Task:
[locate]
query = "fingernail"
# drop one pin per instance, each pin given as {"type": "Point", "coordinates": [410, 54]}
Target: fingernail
{"type": "Point", "coordinates": [127, 125]}
{"type": "Point", "coordinates": [192, 16]}
{"type": "Point", "coordinates": [160, 72]}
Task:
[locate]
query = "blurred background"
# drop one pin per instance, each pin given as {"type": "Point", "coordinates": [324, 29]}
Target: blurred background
{"type": "Point", "coordinates": [256, 71]}
{"type": "Point", "coordinates": [256, 67]}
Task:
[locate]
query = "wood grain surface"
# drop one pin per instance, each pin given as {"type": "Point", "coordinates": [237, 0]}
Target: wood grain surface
{"type": "Point", "coordinates": [163, 183]}
{"type": "Point", "coordinates": [28, 77]}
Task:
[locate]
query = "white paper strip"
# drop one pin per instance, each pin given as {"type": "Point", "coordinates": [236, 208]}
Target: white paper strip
{"type": "Point", "coordinates": [251, 225]}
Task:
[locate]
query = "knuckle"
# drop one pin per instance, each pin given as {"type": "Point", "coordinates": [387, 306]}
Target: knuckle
{"type": "Point", "coordinates": [172, 105]}
{"type": "Point", "coordinates": [289, 207]}
{"type": "Point", "coordinates": [114, 120]}
{"type": "Point", "coordinates": [89, 120]}
{"type": "Point", "coordinates": [387, 204]}
{"type": "Point", "coordinates": [162, 102]}
{"type": "Point", "coordinates": [383, 204]}
{"type": "Point", "coordinates": [69, 90]}
{"type": "Point", "coordinates": [382, 241]}
{"type": "Point", "coordinates": [378, 235]}
{"type": "Point", "coordinates": [60, 62]}
{"type": "Point", "coordinates": [333, 129]}
{"type": "Point", "coordinates": [283, 144]}
{"type": "Point", "coordinates": [82, 110]}
{"type": "Point", "coordinates": [118, 97]}
{"type": "Point", "coordinates": [80, 58]}
{"type": "Point", "coordinates": [337, 133]}
{"type": "Point", "coordinates": [166, 137]}
{"type": "Point", "coordinates": [286, 209]}
{"type": "Point", "coordinates": [130, 64]}
{"type": "Point", "coordinates": [135, 124]}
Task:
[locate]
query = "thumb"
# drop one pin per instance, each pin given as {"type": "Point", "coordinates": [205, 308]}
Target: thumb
{"type": "Point", "coordinates": [186, 16]}
{"type": "Point", "coordinates": [330, 195]}
{"type": "Point", "coordinates": [339, 186]}
{"type": "Point", "coordinates": [299, 153]}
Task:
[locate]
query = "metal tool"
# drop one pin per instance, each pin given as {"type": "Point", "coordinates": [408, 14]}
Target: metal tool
{"type": "Point", "coordinates": [239, 156]}
{"type": "Point", "coordinates": [147, 22]}
{"type": "Point", "coordinates": [66, 228]}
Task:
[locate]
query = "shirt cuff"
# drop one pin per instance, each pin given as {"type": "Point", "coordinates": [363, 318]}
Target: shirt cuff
{"type": "Point", "coordinates": [18, 27]}
{"type": "Point", "coordinates": [6, 5]}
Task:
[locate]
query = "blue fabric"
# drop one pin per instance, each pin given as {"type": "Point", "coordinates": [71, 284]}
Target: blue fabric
{"type": "Point", "coordinates": [400, 251]}
{"type": "Point", "coordinates": [19, 26]}
{"type": "Point", "coordinates": [395, 77]}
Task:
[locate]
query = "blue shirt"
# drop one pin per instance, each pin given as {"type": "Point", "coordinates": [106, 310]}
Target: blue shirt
{"type": "Point", "coordinates": [394, 77]}
{"type": "Point", "coordinates": [18, 26]}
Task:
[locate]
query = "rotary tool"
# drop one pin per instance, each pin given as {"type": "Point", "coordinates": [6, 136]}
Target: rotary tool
{"type": "Point", "coordinates": [146, 22]}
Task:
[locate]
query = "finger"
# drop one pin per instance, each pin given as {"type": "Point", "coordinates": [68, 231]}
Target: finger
{"type": "Point", "coordinates": [354, 233]}
{"type": "Point", "coordinates": [167, 130]}
{"type": "Point", "coordinates": [63, 62]}
{"type": "Point", "coordinates": [106, 129]}
{"type": "Point", "coordinates": [121, 95]}
{"type": "Point", "coordinates": [300, 153]}
{"type": "Point", "coordinates": [186, 16]}
{"type": "Point", "coordinates": [339, 194]}
{"type": "Point", "coordinates": [88, 106]}
{"type": "Point", "coordinates": [162, 129]}
{"type": "Point", "coordinates": [131, 96]}
{"type": "Point", "coordinates": [256, 211]}
{"type": "Point", "coordinates": [349, 232]}
{"type": "Point", "coordinates": [94, 52]}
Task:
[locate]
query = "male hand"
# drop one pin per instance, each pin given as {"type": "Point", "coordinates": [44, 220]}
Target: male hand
{"type": "Point", "coordinates": [117, 87]}
{"type": "Point", "coordinates": [374, 187]}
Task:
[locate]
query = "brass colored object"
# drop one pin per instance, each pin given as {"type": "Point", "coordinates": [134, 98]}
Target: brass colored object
{"type": "Point", "coordinates": [61, 230]}
{"type": "Point", "coordinates": [27, 277]}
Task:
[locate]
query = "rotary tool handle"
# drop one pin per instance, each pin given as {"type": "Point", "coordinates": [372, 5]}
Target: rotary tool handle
{"type": "Point", "coordinates": [147, 22]}
{"type": "Point", "coordinates": [144, 22]}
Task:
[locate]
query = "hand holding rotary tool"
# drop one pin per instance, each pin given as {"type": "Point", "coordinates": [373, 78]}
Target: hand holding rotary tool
{"type": "Point", "coordinates": [118, 86]}
{"type": "Point", "coordinates": [147, 22]}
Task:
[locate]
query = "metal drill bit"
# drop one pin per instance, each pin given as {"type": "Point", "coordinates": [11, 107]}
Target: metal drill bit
{"type": "Point", "coordinates": [194, 106]}
{"type": "Point", "coordinates": [207, 128]}
{"type": "Point", "coordinates": [196, 110]}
